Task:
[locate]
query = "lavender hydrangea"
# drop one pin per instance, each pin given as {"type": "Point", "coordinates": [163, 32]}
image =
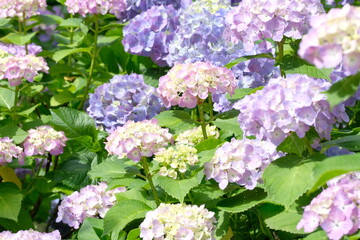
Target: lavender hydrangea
{"type": "Point", "coordinates": [90, 201]}
{"type": "Point", "coordinates": [20, 50]}
{"type": "Point", "coordinates": [178, 221]}
{"type": "Point", "coordinates": [289, 105]}
{"type": "Point", "coordinates": [43, 140]}
{"type": "Point", "coordinates": [8, 151]}
{"type": "Point", "coordinates": [84, 7]}
{"type": "Point", "coordinates": [21, 8]}
{"type": "Point", "coordinates": [149, 33]}
{"type": "Point", "coordinates": [138, 139]}
{"type": "Point", "coordinates": [252, 21]}
{"type": "Point", "coordinates": [30, 234]}
{"type": "Point", "coordinates": [125, 98]}
{"type": "Point", "coordinates": [333, 39]}
{"type": "Point", "coordinates": [241, 162]}
{"type": "Point", "coordinates": [335, 209]}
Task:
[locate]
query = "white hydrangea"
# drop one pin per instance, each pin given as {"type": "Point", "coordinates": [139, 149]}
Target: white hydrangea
{"type": "Point", "coordinates": [195, 135]}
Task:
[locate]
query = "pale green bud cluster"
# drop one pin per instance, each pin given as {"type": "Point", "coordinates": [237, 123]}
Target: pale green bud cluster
{"type": "Point", "coordinates": [195, 135]}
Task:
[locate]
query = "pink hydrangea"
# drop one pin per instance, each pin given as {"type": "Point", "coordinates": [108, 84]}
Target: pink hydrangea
{"type": "Point", "coordinates": [84, 7]}
{"type": "Point", "coordinates": [90, 201]}
{"type": "Point", "coordinates": [254, 20]}
{"type": "Point", "coordinates": [9, 150]}
{"type": "Point", "coordinates": [30, 235]}
{"type": "Point", "coordinates": [44, 139]}
{"type": "Point", "coordinates": [187, 84]}
{"type": "Point", "coordinates": [334, 38]}
{"type": "Point", "coordinates": [138, 139]}
{"type": "Point", "coordinates": [13, 8]}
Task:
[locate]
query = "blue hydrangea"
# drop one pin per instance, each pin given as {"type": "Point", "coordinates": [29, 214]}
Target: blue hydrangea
{"type": "Point", "coordinates": [125, 98]}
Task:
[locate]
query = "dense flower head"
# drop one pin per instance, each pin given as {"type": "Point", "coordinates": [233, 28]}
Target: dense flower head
{"type": "Point", "coordinates": [292, 104]}
{"type": "Point", "coordinates": [178, 221]}
{"type": "Point", "coordinates": [334, 38]}
{"type": "Point", "coordinates": [21, 8]}
{"type": "Point", "coordinates": [8, 151]}
{"type": "Point", "coordinates": [83, 7]}
{"type": "Point", "coordinates": [260, 19]}
{"type": "Point", "coordinates": [186, 84]}
{"type": "Point", "coordinates": [125, 98]}
{"type": "Point", "coordinates": [43, 140]}
{"type": "Point", "coordinates": [241, 162]}
{"type": "Point", "coordinates": [138, 139]}
{"type": "Point", "coordinates": [30, 235]}
{"type": "Point", "coordinates": [195, 135]}
{"type": "Point", "coordinates": [90, 201]}
{"type": "Point", "coordinates": [335, 209]}
{"type": "Point", "coordinates": [149, 33]}
{"type": "Point", "coordinates": [176, 160]}
{"type": "Point", "coordinates": [20, 50]}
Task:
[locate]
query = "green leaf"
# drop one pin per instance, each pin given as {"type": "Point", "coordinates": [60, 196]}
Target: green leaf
{"type": "Point", "coordinates": [123, 213]}
{"type": "Point", "coordinates": [48, 19]}
{"type": "Point", "coordinates": [7, 98]}
{"type": "Point", "coordinates": [133, 234]}
{"type": "Point", "coordinates": [58, 55]}
{"type": "Point", "coordinates": [61, 98]}
{"type": "Point", "coordinates": [243, 201]}
{"type": "Point", "coordinates": [18, 38]}
{"type": "Point", "coordinates": [14, 132]}
{"type": "Point", "coordinates": [138, 195]}
{"type": "Point", "coordinates": [245, 58]}
{"type": "Point", "coordinates": [179, 188]}
{"type": "Point", "coordinates": [128, 182]}
{"type": "Point", "coordinates": [292, 144]}
{"type": "Point", "coordinates": [152, 75]}
{"type": "Point", "coordinates": [230, 124]}
{"type": "Point", "coordinates": [32, 90]}
{"type": "Point", "coordinates": [62, 68]}
{"type": "Point", "coordinates": [177, 121]}
{"type": "Point", "coordinates": [4, 22]}
{"type": "Point", "coordinates": [318, 235]}
{"type": "Point", "coordinates": [10, 201]}
{"type": "Point", "coordinates": [287, 178]}
{"type": "Point", "coordinates": [286, 220]}
{"type": "Point", "coordinates": [351, 143]}
{"type": "Point", "coordinates": [292, 64]}
{"type": "Point", "coordinates": [71, 22]}
{"type": "Point", "coordinates": [208, 144]}
{"type": "Point", "coordinates": [74, 123]}
{"type": "Point", "coordinates": [240, 93]}
{"type": "Point", "coordinates": [90, 228]}
{"type": "Point", "coordinates": [206, 156]}
{"type": "Point", "coordinates": [343, 89]}
{"type": "Point", "coordinates": [24, 222]}
{"type": "Point", "coordinates": [222, 224]}
{"type": "Point", "coordinates": [28, 110]}
{"type": "Point", "coordinates": [105, 41]}
{"type": "Point", "coordinates": [112, 169]}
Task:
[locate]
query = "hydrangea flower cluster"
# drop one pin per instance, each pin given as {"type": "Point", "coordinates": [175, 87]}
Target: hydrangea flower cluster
{"type": "Point", "coordinates": [16, 8]}
{"type": "Point", "coordinates": [241, 162]}
{"type": "Point", "coordinates": [30, 234]}
{"type": "Point", "coordinates": [333, 39]}
{"type": "Point", "coordinates": [194, 136]}
{"type": "Point", "coordinates": [138, 139]}
{"type": "Point", "coordinates": [149, 33]}
{"type": "Point", "coordinates": [44, 139]}
{"type": "Point", "coordinates": [90, 201]}
{"type": "Point", "coordinates": [178, 221]}
{"type": "Point", "coordinates": [19, 50]}
{"type": "Point", "coordinates": [83, 7]}
{"type": "Point", "coordinates": [186, 84]}
{"type": "Point", "coordinates": [176, 160]}
{"type": "Point", "coordinates": [125, 98]}
{"type": "Point", "coordinates": [257, 20]}
{"type": "Point", "coordinates": [8, 151]}
{"type": "Point", "coordinates": [288, 105]}
{"type": "Point", "coordinates": [336, 210]}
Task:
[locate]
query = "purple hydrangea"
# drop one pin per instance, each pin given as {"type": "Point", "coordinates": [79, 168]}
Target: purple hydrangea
{"type": "Point", "coordinates": [333, 39]}
{"type": "Point", "coordinates": [335, 209]}
{"type": "Point", "coordinates": [241, 162]}
{"type": "Point", "coordinates": [21, 8]}
{"type": "Point", "coordinates": [8, 151]}
{"type": "Point", "coordinates": [254, 20]}
{"type": "Point", "coordinates": [43, 140]}
{"type": "Point", "coordinates": [19, 50]}
{"type": "Point", "coordinates": [30, 234]}
{"type": "Point", "coordinates": [90, 201]}
{"type": "Point", "coordinates": [292, 104]}
{"type": "Point", "coordinates": [149, 33]}
{"type": "Point", "coordinates": [125, 98]}
{"type": "Point", "coordinates": [138, 139]}
{"type": "Point", "coordinates": [83, 7]}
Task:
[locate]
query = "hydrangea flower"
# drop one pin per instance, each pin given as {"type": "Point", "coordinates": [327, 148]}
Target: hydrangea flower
{"type": "Point", "coordinates": [178, 221]}
{"type": "Point", "coordinates": [83, 7]}
{"type": "Point", "coordinates": [19, 50]}
{"type": "Point", "coordinates": [21, 8]}
{"type": "Point", "coordinates": [149, 33]}
{"type": "Point", "coordinates": [176, 160]}
{"type": "Point", "coordinates": [8, 151]}
{"type": "Point", "coordinates": [138, 139]}
{"type": "Point", "coordinates": [257, 20]}
{"type": "Point", "coordinates": [333, 39]}
{"type": "Point", "coordinates": [125, 98]}
{"type": "Point", "coordinates": [30, 234]}
{"type": "Point", "coordinates": [241, 162]}
{"type": "Point", "coordinates": [44, 139]}
{"type": "Point", "coordinates": [194, 136]}
{"type": "Point", "coordinates": [90, 201]}
{"type": "Point", "coordinates": [335, 209]}
{"type": "Point", "coordinates": [289, 105]}
{"type": "Point", "coordinates": [187, 84]}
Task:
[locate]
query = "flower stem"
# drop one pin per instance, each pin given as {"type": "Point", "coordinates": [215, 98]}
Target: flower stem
{"type": "Point", "coordinates": [211, 106]}
{"type": "Point", "coordinates": [145, 166]}
{"type": "Point", "coordinates": [203, 124]}
{"type": "Point", "coordinates": [280, 55]}
{"type": "Point", "coordinates": [24, 31]}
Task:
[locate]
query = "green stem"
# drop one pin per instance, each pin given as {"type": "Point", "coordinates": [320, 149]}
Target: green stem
{"type": "Point", "coordinates": [71, 40]}
{"type": "Point", "coordinates": [280, 55]}
{"type": "Point", "coordinates": [145, 166]}
{"type": "Point", "coordinates": [92, 66]}
{"type": "Point", "coordinates": [211, 106]}
{"type": "Point", "coordinates": [24, 31]}
{"type": "Point", "coordinates": [203, 124]}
